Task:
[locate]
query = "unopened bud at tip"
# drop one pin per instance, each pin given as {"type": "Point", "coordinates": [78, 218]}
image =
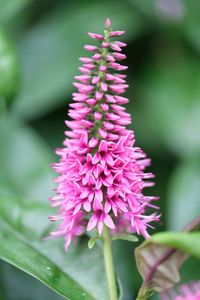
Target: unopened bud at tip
{"type": "Point", "coordinates": [107, 23]}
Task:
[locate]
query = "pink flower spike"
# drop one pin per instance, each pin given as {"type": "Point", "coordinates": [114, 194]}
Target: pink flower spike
{"type": "Point", "coordinates": [101, 173]}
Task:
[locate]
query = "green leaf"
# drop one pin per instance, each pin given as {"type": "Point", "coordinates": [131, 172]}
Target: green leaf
{"type": "Point", "coordinates": [50, 50]}
{"type": "Point", "coordinates": [183, 194]}
{"type": "Point", "coordinates": [188, 242]}
{"type": "Point", "coordinates": [120, 289]}
{"type": "Point", "coordinates": [10, 8]}
{"type": "Point", "coordinates": [183, 21]}
{"type": "Point", "coordinates": [191, 24]}
{"type": "Point", "coordinates": [20, 175]}
{"type": "Point", "coordinates": [9, 69]}
{"type": "Point", "coordinates": [171, 117]}
{"type": "Point", "coordinates": [92, 241]}
{"type": "Point", "coordinates": [24, 221]}
{"type": "Point", "coordinates": [158, 265]}
{"type": "Point", "coordinates": [18, 251]}
{"type": "Point", "coordinates": [126, 269]}
{"type": "Point", "coordinates": [125, 237]}
{"type": "Point", "coordinates": [13, 280]}
{"type": "Point", "coordinates": [160, 257]}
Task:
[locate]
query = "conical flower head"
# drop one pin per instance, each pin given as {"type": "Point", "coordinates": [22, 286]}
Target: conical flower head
{"type": "Point", "coordinates": [101, 171]}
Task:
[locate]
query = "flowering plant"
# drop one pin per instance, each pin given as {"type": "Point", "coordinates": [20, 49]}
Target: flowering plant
{"type": "Point", "coordinates": [100, 194]}
{"type": "Point", "coordinates": [101, 170]}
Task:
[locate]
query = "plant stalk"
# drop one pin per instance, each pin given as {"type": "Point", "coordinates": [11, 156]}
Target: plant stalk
{"type": "Point", "coordinates": [109, 265]}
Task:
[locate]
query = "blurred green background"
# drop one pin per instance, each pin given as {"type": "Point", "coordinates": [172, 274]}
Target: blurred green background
{"type": "Point", "coordinates": [40, 43]}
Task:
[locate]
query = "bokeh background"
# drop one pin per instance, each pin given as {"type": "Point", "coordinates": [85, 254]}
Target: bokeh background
{"type": "Point", "coordinates": [40, 43]}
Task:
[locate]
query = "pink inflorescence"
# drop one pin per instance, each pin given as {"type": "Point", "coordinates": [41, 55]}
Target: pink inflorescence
{"type": "Point", "coordinates": [101, 171]}
{"type": "Point", "coordinates": [189, 291]}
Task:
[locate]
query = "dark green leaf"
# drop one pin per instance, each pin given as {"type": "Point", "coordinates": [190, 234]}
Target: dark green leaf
{"type": "Point", "coordinates": [9, 69]}
{"type": "Point", "coordinates": [120, 289]}
{"type": "Point", "coordinates": [25, 173]}
{"type": "Point", "coordinates": [25, 162]}
{"type": "Point", "coordinates": [10, 8]}
{"type": "Point", "coordinates": [13, 281]}
{"type": "Point", "coordinates": [191, 24]}
{"type": "Point", "coordinates": [169, 90]}
{"type": "Point", "coordinates": [184, 194]}
{"type": "Point", "coordinates": [18, 251]}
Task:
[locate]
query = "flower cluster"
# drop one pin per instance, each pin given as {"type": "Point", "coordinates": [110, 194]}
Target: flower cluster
{"type": "Point", "coordinates": [185, 292]}
{"type": "Point", "coordinates": [101, 171]}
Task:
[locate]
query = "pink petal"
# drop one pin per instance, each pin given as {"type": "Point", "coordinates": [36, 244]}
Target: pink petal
{"type": "Point", "coordinates": [100, 227]}
{"type": "Point", "coordinates": [92, 222]}
{"type": "Point", "coordinates": [99, 195]}
{"type": "Point", "coordinates": [87, 206]}
{"type": "Point", "coordinates": [109, 222]}
{"type": "Point", "coordinates": [109, 159]}
{"type": "Point", "coordinates": [102, 133]}
{"type": "Point", "coordinates": [103, 146]}
{"type": "Point", "coordinates": [96, 158]}
{"type": "Point", "coordinates": [107, 207]}
{"type": "Point", "coordinates": [93, 142]}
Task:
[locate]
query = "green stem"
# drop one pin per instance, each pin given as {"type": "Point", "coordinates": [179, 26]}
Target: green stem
{"type": "Point", "coordinates": [144, 293]}
{"type": "Point", "coordinates": [109, 265]}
